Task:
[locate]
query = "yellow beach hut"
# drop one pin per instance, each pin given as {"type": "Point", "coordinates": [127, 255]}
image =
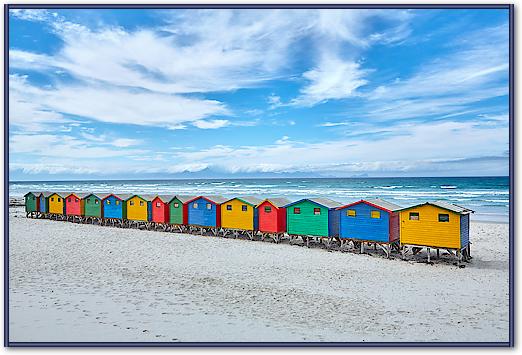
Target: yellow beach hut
{"type": "Point", "coordinates": [138, 207]}
{"type": "Point", "coordinates": [438, 225]}
{"type": "Point", "coordinates": [240, 213]}
{"type": "Point", "coordinates": [56, 203]}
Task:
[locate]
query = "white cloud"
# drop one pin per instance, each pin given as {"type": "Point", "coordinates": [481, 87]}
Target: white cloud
{"type": "Point", "coordinates": [32, 14]}
{"type": "Point", "coordinates": [283, 140]}
{"type": "Point", "coordinates": [333, 124]}
{"type": "Point", "coordinates": [106, 104]}
{"type": "Point", "coordinates": [125, 142]}
{"type": "Point", "coordinates": [61, 146]}
{"type": "Point", "coordinates": [211, 124]}
{"type": "Point", "coordinates": [332, 79]}
{"type": "Point", "coordinates": [274, 101]}
{"type": "Point", "coordinates": [416, 144]}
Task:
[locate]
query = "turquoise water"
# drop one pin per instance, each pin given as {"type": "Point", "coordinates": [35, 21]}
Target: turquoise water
{"type": "Point", "coordinates": [488, 196]}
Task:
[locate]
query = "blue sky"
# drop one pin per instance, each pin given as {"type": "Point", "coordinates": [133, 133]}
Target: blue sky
{"type": "Point", "coordinates": [109, 94]}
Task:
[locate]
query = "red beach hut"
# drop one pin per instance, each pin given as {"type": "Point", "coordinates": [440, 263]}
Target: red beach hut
{"type": "Point", "coordinates": [160, 208]}
{"type": "Point", "coordinates": [272, 215]}
{"type": "Point", "coordinates": [73, 205]}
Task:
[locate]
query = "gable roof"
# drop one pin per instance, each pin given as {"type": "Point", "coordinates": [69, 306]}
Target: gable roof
{"type": "Point", "coordinates": [123, 197]}
{"type": "Point", "coordinates": [375, 202]}
{"type": "Point", "coordinates": [97, 195]}
{"type": "Point", "coordinates": [277, 202]}
{"type": "Point", "coordinates": [215, 199]}
{"type": "Point", "coordinates": [183, 198]}
{"type": "Point", "coordinates": [106, 195]}
{"type": "Point", "coordinates": [84, 195]}
{"type": "Point", "coordinates": [249, 200]}
{"type": "Point", "coordinates": [146, 197]}
{"type": "Point", "coordinates": [444, 205]}
{"type": "Point", "coordinates": [33, 193]}
{"type": "Point", "coordinates": [61, 194]}
{"type": "Point", "coordinates": [164, 198]}
{"type": "Point", "coordinates": [321, 201]}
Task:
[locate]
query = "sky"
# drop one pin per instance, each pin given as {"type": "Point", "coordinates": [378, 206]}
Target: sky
{"type": "Point", "coordinates": [171, 93]}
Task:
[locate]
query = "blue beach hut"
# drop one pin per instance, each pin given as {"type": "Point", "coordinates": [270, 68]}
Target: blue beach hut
{"type": "Point", "coordinates": [114, 206]}
{"type": "Point", "coordinates": [372, 220]}
{"type": "Point", "coordinates": [204, 211]}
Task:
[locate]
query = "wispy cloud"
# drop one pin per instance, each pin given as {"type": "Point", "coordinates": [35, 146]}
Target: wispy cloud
{"type": "Point", "coordinates": [476, 70]}
{"type": "Point", "coordinates": [211, 124]}
{"type": "Point", "coordinates": [105, 104]}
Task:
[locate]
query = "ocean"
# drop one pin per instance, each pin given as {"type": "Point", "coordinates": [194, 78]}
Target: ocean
{"type": "Point", "coordinates": [487, 196]}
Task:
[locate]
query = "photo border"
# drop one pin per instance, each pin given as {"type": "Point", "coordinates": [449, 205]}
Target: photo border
{"type": "Point", "coordinates": [509, 343]}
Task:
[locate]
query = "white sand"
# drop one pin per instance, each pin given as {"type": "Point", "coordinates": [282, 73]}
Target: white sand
{"type": "Point", "coordinates": [72, 282]}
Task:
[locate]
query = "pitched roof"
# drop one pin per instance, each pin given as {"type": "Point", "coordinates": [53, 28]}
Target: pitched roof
{"type": "Point", "coordinates": [216, 198]}
{"type": "Point", "coordinates": [452, 207]}
{"type": "Point", "coordinates": [251, 200]}
{"type": "Point", "coordinates": [104, 195]}
{"type": "Point", "coordinates": [87, 194]}
{"type": "Point", "coordinates": [34, 193]}
{"type": "Point", "coordinates": [164, 198]}
{"type": "Point", "coordinates": [83, 194]}
{"type": "Point", "coordinates": [377, 202]}
{"type": "Point", "coordinates": [276, 201]}
{"type": "Point", "coordinates": [444, 205]}
{"type": "Point", "coordinates": [326, 202]}
{"type": "Point", "coordinates": [183, 198]}
{"type": "Point", "coordinates": [123, 197]}
{"type": "Point", "coordinates": [322, 201]}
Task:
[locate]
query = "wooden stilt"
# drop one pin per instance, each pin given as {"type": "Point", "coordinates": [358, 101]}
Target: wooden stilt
{"type": "Point", "coordinates": [429, 254]}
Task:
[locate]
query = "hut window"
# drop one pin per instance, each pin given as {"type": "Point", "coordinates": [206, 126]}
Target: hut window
{"type": "Point", "coordinates": [414, 216]}
{"type": "Point", "coordinates": [195, 205]}
{"type": "Point", "coordinates": [96, 202]}
{"type": "Point", "coordinates": [297, 210]}
{"type": "Point", "coordinates": [141, 203]}
{"type": "Point", "coordinates": [158, 204]}
{"type": "Point", "coordinates": [75, 200]}
{"type": "Point", "coordinates": [268, 209]}
{"type": "Point", "coordinates": [59, 199]}
{"type": "Point", "coordinates": [109, 202]}
{"type": "Point", "coordinates": [88, 200]}
{"type": "Point", "coordinates": [131, 203]}
{"type": "Point", "coordinates": [244, 208]}
{"type": "Point", "coordinates": [52, 199]}
{"type": "Point", "coordinates": [69, 199]}
{"type": "Point", "coordinates": [117, 202]}
{"type": "Point", "coordinates": [209, 206]}
{"type": "Point", "coordinates": [229, 207]}
{"type": "Point", "coordinates": [376, 214]}
{"type": "Point", "coordinates": [350, 213]}
{"type": "Point", "coordinates": [317, 211]}
{"type": "Point", "coordinates": [176, 205]}
{"type": "Point", "coordinates": [443, 217]}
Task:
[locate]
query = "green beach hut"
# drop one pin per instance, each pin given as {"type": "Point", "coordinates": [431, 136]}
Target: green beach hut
{"type": "Point", "coordinates": [312, 217]}
{"type": "Point", "coordinates": [178, 209]}
{"type": "Point", "coordinates": [32, 200]}
{"type": "Point", "coordinates": [92, 205]}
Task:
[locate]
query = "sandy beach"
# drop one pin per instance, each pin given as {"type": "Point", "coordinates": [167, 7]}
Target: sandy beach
{"type": "Point", "coordinates": [71, 282]}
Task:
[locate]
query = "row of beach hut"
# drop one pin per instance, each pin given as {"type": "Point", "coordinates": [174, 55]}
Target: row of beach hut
{"type": "Point", "coordinates": [437, 225]}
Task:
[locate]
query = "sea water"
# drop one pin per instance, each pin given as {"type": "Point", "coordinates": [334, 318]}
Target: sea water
{"type": "Point", "coordinates": [487, 196]}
